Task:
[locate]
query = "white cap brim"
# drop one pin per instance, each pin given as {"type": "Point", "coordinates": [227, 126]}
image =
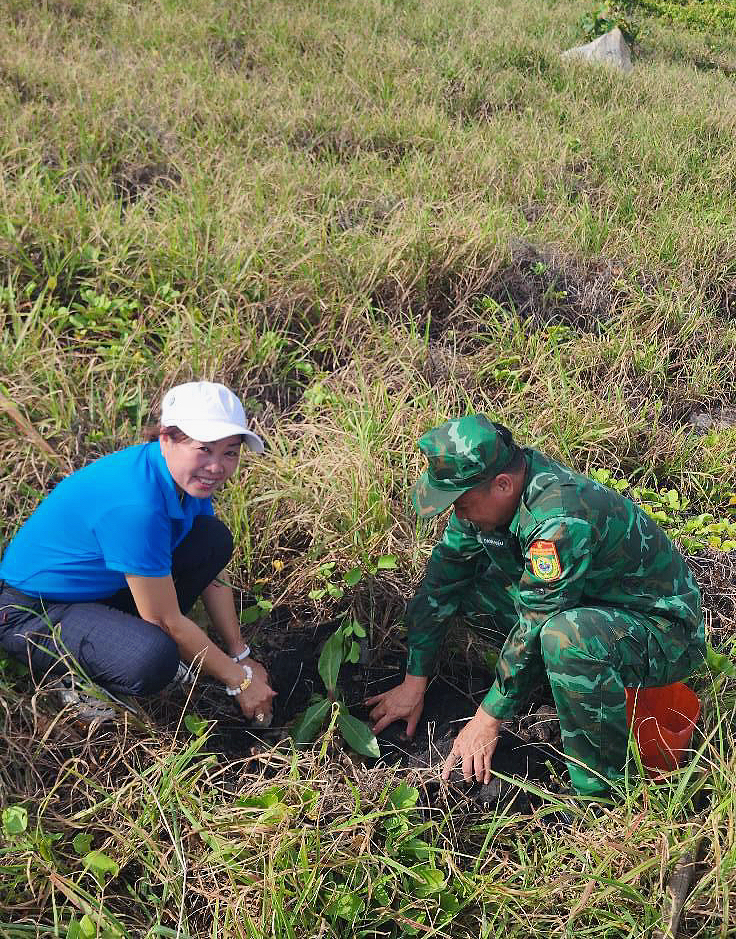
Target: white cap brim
{"type": "Point", "coordinates": [207, 431]}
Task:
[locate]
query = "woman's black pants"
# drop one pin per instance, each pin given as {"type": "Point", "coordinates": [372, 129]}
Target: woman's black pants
{"type": "Point", "coordinates": [114, 647]}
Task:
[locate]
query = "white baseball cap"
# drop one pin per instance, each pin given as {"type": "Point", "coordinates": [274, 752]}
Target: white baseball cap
{"type": "Point", "coordinates": [207, 411]}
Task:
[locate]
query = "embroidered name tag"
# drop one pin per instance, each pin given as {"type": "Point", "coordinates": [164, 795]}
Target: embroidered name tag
{"type": "Point", "coordinates": [545, 562]}
{"type": "Point", "coordinates": [494, 541]}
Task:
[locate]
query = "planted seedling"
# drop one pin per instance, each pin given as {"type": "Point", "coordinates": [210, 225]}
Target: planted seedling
{"type": "Point", "coordinates": [342, 646]}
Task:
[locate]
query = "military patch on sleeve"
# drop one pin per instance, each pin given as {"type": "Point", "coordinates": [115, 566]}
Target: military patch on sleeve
{"type": "Point", "coordinates": [545, 562]}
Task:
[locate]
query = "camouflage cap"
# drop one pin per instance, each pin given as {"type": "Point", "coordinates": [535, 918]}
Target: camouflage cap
{"type": "Point", "coordinates": [461, 454]}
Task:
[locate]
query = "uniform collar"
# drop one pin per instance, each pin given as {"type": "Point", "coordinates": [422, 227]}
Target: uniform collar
{"type": "Point", "coordinates": [165, 480]}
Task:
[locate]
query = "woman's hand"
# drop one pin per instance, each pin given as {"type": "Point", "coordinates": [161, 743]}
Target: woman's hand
{"type": "Point", "coordinates": [256, 702]}
{"type": "Point", "coordinates": [258, 670]}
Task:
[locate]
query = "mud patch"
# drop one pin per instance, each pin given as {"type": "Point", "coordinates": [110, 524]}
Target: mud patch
{"type": "Point", "coordinates": [472, 102]}
{"type": "Point", "coordinates": [540, 286]}
{"type": "Point", "coordinates": [373, 215]}
{"type": "Point", "coordinates": [549, 288]}
{"type": "Point", "coordinates": [715, 572]}
{"type": "Point", "coordinates": [28, 89]}
{"type": "Point", "coordinates": [230, 48]}
{"type": "Point", "coordinates": [342, 145]}
{"type": "Point", "coordinates": [134, 181]}
{"type": "Point", "coordinates": [703, 422]}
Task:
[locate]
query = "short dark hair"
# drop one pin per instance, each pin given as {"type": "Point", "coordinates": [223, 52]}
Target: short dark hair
{"type": "Point", "coordinates": [517, 462]}
{"type": "Point", "coordinates": [153, 432]}
{"type": "Point", "coordinates": [515, 465]}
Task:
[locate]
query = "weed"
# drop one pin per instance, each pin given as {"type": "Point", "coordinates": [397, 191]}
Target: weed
{"type": "Point", "coordinates": [604, 17]}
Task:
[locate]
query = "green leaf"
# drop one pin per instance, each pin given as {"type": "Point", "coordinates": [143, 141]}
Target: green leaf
{"type": "Point", "coordinates": [87, 928]}
{"type": "Point", "coordinates": [718, 663]}
{"type": "Point", "coordinates": [357, 734]}
{"type": "Point", "coordinates": [15, 820]}
{"type": "Point", "coordinates": [309, 800]}
{"type": "Point", "coordinates": [335, 591]}
{"type": "Point", "coordinates": [101, 865]}
{"type": "Point", "coordinates": [387, 562]}
{"type": "Point", "coordinates": [353, 655]}
{"type": "Point", "coordinates": [265, 800]}
{"type": "Point", "coordinates": [82, 843]}
{"type": "Point", "coordinates": [74, 930]}
{"type": "Point", "coordinates": [271, 805]}
{"type": "Point", "coordinates": [353, 576]}
{"type": "Point", "coordinates": [381, 895]}
{"type": "Point", "coordinates": [331, 659]}
{"type": "Point", "coordinates": [491, 658]}
{"type": "Point", "coordinates": [449, 903]}
{"type": "Point", "coordinates": [403, 797]}
{"type": "Point", "coordinates": [416, 848]}
{"type": "Point", "coordinates": [358, 630]}
{"type": "Point", "coordinates": [430, 880]}
{"type": "Point", "coordinates": [308, 726]}
{"type": "Point", "coordinates": [195, 724]}
{"type": "Point", "coordinates": [251, 614]}
{"type": "Point", "coordinates": [317, 594]}
{"type": "Point", "coordinates": [265, 605]}
{"type": "Point", "coordinates": [346, 905]}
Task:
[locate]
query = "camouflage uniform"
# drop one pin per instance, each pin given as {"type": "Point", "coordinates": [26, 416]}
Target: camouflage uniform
{"type": "Point", "coordinates": [582, 585]}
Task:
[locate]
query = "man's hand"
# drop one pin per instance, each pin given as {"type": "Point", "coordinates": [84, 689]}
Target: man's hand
{"type": "Point", "coordinates": [474, 745]}
{"type": "Point", "coordinates": [402, 703]}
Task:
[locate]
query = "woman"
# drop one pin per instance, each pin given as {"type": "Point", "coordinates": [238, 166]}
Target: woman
{"type": "Point", "coordinates": [109, 564]}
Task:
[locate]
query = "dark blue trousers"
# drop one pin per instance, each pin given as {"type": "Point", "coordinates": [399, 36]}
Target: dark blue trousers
{"type": "Point", "coordinates": [114, 647]}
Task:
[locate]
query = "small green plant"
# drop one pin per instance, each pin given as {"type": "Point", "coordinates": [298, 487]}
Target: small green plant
{"type": "Point", "coordinates": [342, 646]}
{"type": "Point", "coordinates": [334, 589]}
{"type": "Point", "coordinates": [256, 611]}
{"type": "Point", "coordinates": [414, 872]}
{"type": "Point", "coordinates": [669, 509]}
{"type": "Point", "coordinates": [710, 15]}
{"type": "Point", "coordinates": [102, 319]}
{"type": "Point", "coordinates": [601, 18]}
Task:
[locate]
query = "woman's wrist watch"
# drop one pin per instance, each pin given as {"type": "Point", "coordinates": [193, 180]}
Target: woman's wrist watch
{"type": "Point", "coordinates": [245, 683]}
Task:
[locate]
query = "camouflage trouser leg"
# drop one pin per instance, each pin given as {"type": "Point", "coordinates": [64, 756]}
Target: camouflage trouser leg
{"type": "Point", "coordinates": [591, 655]}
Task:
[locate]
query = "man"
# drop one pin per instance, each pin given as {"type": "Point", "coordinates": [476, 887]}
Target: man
{"type": "Point", "coordinates": [580, 582]}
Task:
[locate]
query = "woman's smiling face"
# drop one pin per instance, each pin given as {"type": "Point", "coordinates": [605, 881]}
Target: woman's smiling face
{"type": "Point", "coordinates": [199, 468]}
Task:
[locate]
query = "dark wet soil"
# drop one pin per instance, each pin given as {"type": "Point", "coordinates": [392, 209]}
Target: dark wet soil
{"type": "Point", "coordinates": [528, 749]}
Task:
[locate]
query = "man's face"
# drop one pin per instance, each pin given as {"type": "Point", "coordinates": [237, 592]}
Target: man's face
{"type": "Point", "coordinates": [200, 468]}
{"type": "Point", "coordinates": [489, 505]}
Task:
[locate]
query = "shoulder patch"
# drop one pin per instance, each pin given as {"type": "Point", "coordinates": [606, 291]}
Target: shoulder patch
{"type": "Point", "coordinates": [545, 561]}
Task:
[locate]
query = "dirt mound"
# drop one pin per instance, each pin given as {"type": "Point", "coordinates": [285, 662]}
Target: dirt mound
{"type": "Point", "coordinates": [541, 286]}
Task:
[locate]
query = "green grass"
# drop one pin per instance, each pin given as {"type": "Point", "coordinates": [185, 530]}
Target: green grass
{"type": "Point", "coordinates": [364, 217]}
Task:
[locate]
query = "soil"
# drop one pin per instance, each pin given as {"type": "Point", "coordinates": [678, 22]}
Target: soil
{"type": "Point", "coordinates": [132, 182]}
{"type": "Point", "coordinates": [528, 749]}
{"type": "Point", "coordinates": [540, 287]}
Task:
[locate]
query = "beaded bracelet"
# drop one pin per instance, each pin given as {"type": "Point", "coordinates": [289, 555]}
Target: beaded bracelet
{"type": "Point", "coordinates": [242, 655]}
{"type": "Point", "coordinates": [244, 683]}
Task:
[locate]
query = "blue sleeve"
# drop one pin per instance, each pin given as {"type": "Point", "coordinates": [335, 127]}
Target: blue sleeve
{"type": "Point", "coordinates": [134, 540]}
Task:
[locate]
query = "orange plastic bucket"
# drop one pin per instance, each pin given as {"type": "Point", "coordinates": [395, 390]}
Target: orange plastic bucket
{"type": "Point", "coordinates": [662, 720]}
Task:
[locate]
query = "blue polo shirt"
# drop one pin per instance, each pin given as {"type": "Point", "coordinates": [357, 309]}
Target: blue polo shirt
{"type": "Point", "coordinates": [120, 515]}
